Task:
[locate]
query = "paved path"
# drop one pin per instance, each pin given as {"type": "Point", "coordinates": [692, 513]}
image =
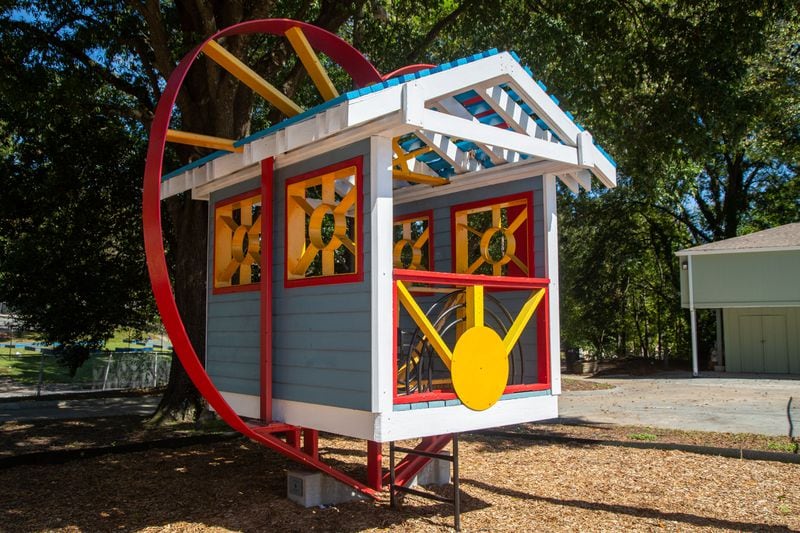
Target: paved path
{"type": "Point", "coordinates": [731, 403]}
{"type": "Point", "coordinates": [78, 408]}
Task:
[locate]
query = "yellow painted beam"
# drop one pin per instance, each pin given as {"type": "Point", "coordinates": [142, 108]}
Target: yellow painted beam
{"type": "Point", "coordinates": [525, 314]}
{"type": "Point", "coordinates": [474, 306]}
{"type": "Point", "coordinates": [311, 62]}
{"type": "Point", "coordinates": [424, 324]}
{"type": "Point", "coordinates": [414, 177]}
{"type": "Point", "coordinates": [249, 77]}
{"type": "Point", "coordinates": [205, 141]}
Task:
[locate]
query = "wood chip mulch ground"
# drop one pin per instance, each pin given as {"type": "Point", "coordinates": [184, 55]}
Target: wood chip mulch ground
{"type": "Point", "coordinates": [509, 483]}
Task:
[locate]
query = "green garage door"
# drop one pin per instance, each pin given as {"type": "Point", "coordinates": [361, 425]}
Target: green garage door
{"type": "Point", "coordinates": [764, 343]}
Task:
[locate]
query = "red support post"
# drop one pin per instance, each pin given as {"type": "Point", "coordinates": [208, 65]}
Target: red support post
{"type": "Point", "coordinates": [374, 465]}
{"type": "Point", "coordinates": [311, 442]}
{"type": "Point", "coordinates": [266, 289]}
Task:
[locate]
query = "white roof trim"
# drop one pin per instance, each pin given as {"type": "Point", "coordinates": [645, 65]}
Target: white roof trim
{"type": "Point", "coordinates": [404, 108]}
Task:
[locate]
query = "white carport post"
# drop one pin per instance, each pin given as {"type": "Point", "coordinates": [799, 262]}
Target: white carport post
{"type": "Point", "coordinates": [692, 319]}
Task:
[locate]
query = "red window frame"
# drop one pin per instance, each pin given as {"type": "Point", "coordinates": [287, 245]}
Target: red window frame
{"type": "Point", "coordinates": [354, 277]}
{"type": "Point", "coordinates": [419, 215]}
{"type": "Point", "coordinates": [247, 287]}
{"type": "Point", "coordinates": [525, 247]}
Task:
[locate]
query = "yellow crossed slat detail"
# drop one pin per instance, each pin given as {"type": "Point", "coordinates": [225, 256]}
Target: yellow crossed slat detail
{"type": "Point", "coordinates": [400, 166]}
{"type": "Point", "coordinates": [249, 77]}
{"type": "Point", "coordinates": [525, 314]}
{"type": "Point", "coordinates": [311, 62]}
{"type": "Point", "coordinates": [424, 324]}
{"type": "Point", "coordinates": [205, 141]}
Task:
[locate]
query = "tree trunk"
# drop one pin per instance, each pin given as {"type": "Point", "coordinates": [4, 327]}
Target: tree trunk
{"type": "Point", "coordinates": [188, 250]}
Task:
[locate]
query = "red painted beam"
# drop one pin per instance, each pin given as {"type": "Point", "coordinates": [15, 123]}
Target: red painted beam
{"type": "Point", "coordinates": [375, 465]}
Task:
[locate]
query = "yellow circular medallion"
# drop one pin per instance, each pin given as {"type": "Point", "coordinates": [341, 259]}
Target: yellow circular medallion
{"type": "Point", "coordinates": [479, 368]}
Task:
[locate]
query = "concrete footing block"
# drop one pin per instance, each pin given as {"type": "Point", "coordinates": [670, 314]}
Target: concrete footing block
{"type": "Point", "coordinates": [313, 489]}
{"type": "Point", "coordinates": [436, 472]}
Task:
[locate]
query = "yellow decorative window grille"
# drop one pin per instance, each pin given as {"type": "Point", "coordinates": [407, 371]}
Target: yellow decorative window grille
{"type": "Point", "coordinates": [494, 237]}
{"type": "Point", "coordinates": [237, 242]}
{"type": "Point", "coordinates": [323, 231]}
{"type": "Point", "coordinates": [412, 243]}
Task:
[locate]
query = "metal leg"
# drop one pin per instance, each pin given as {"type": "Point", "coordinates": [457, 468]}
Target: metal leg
{"type": "Point", "coordinates": [453, 458]}
{"type": "Point", "coordinates": [456, 491]}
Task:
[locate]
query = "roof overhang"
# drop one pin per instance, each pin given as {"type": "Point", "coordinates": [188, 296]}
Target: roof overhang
{"type": "Point", "coordinates": [536, 136]}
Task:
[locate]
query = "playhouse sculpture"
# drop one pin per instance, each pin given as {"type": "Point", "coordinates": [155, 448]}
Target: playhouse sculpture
{"type": "Point", "coordinates": [383, 265]}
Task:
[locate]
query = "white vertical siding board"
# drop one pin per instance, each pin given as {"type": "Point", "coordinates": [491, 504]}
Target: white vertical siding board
{"type": "Point", "coordinates": [381, 224]}
{"type": "Point", "coordinates": [551, 265]}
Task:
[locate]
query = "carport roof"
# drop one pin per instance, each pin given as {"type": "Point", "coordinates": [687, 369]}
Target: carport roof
{"type": "Point", "coordinates": [786, 237]}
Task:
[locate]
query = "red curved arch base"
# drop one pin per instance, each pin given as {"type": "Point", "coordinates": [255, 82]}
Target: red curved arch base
{"type": "Point", "coordinates": [363, 73]}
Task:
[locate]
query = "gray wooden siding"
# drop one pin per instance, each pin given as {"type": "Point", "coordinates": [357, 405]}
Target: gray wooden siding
{"type": "Point", "coordinates": [321, 334]}
{"type": "Point", "coordinates": [232, 343]}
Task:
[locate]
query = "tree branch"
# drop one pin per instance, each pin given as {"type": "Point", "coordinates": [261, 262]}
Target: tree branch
{"type": "Point", "coordinates": [79, 55]}
{"type": "Point", "coordinates": [434, 32]}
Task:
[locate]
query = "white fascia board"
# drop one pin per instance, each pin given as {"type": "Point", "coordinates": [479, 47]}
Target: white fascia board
{"type": "Point", "coordinates": [603, 169]}
{"type": "Point", "coordinates": [492, 176]}
{"type": "Point", "coordinates": [541, 103]}
{"type": "Point", "coordinates": [464, 129]}
{"type": "Point", "coordinates": [416, 423]}
{"type": "Point", "coordinates": [685, 253]}
{"type": "Point", "coordinates": [203, 192]}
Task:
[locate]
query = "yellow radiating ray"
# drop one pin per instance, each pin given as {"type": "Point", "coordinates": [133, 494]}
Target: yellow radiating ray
{"type": "Point", "coordinates": [229, 222]}
{"type": "Point", "coordinates": [304, 205]}
{"type": "Point", "coordinates": [423, 238]}
{"type": "Point", "coordinates": [311, 62]}
{"type": "Point", "coordinates": [346, 202]}
{"type": "Point", "coordinates": [522, 266]}
{"type": "Point", "coordinates": [525, 314]}
{"type": "Point", "coordinates": [249, 77]}
{"type": "Point", "coordinates": [522, 217]}
{"type": "Point", "coordinates": [474, 266]}
{"type": "Point", "coordinates": [345, 241]}
{"type": "Point", "coordinates": [204, 141]}
{"type": "Point", "coordinates": [229, 271]}
{"type": "Point", "coordinates": [424, 324]}
{"type": "Point", "coordinates": [305, 261]}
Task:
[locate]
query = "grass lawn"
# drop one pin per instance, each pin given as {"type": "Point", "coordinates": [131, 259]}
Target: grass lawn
{"type": "Point", "coordinates": [24, 368]}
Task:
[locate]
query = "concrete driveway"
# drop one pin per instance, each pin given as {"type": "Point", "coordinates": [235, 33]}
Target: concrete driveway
{"type": "Point", "coordinates": [734, 403]}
